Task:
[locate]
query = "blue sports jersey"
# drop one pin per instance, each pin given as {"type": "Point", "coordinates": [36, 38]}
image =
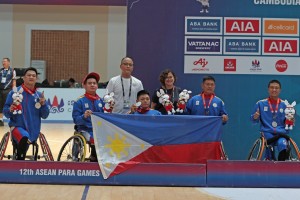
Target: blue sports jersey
{"type": "Point", "coordinates": [30, 119]}
{"type": "Point", "coordinates": [80, 106]}
{"type": "Point", "coordinates": [267, 117]}
{"type": "Point", "coordinates": [195, 106]}
{"type": "Point", "coordinates": [149, 112]}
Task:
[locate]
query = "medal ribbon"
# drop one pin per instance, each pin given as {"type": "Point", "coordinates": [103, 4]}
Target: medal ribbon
{"type": "Point", "coordinates": [271, 107]}
{"type": "Point", "coordinates": [204, 101]}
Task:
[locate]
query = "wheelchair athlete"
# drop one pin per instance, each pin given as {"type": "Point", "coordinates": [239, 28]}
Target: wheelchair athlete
{"type": "Point", "coordinates": [26, 126]}
{"type": "Point", "coordinates": [84, 106]}
{"type": "Point", "coordinates": [270, 114]}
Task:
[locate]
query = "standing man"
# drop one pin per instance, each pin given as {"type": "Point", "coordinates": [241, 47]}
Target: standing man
{"type": "Point", "coordinates": [25, 127]}
{"type": "Point", "coordinates": [8, 81]}
{"type": "Point", "coordinates": [270, 114]}
{"type": "Point", "coordinates": [125, 87]}
{"type": "Point", "coordinates": [84, 107]}
{"type": "Point", "coordinates": [207, 103]}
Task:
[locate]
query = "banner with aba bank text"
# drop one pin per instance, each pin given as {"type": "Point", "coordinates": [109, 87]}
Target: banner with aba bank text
{"type": "Point", "coordinates": [123, 141]}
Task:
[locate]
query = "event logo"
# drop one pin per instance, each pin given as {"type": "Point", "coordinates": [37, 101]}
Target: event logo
{"type": "Point", "coordinates": [205, 5]}
{"type": "Point", "coordinates": [202, 62]}
{"type": "Point", "coordinates": [242, 26]}
{"type": "Point", "coordinates": [255, 66]}
{"type": "Point", "coordinates": [55, 107]}
{"type": "Point", "coordinates": [286, 46]}
{"type": "Point", "coordinates": [281, 65]}
{"type": "Point", "coordinates": [229, 65]}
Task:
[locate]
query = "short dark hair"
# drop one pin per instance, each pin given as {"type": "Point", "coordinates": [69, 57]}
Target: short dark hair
{"type": "Point", "coordinates": [30, 69]}
{"type": "Point", "coordinates": [206, 78]}
{"type": "Point", "coordinates": [72, 80]}
{"type": "Point", "coordinates": [164, 74]}
{"type": "Point", "coordinates": [125, 58]}
{"type": "Point", "coordinates": [274, 81]}
{"type": "Point", "coordinates": [6, 59]}
{"type": "Point", "coordinates": [142, 92]}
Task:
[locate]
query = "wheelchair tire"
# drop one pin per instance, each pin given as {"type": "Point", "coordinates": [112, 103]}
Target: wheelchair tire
{"type": "Point", "coordinates": [294, 151]}
{"type": "Point", "coordinates": [47, 154]}
{"type": "Point", "coordinates": [3, 144]}
{"type": "Point", "coordinates": [66, 151]}
{"type": "Point", "coordinates": [257, 150]}
{"type": "Point", "coordinates": [223, 153]}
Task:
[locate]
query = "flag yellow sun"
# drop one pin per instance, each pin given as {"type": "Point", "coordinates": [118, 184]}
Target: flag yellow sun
{"type": "Point", "coordinates": [118, 145]}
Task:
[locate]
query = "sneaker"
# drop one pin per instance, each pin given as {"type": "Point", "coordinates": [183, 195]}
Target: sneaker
{"type": "Point", "coordinates": [1, 123]}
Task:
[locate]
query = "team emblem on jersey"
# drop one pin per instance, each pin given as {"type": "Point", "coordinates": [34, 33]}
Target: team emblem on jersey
{"type": "Point", "coordinates": [215, 105]}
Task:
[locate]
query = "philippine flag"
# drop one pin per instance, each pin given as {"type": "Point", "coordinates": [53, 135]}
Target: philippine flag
{"type": "Point", "coordinates": [125, 140]}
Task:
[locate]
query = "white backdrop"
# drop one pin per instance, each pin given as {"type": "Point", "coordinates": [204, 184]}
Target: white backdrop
{"type": "Point", "coordinates": [61, 101]}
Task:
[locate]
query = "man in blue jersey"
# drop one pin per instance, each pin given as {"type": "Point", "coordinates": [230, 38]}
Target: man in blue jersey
{"type": "Point", "coordinates": [142, 107]}
{"type": "Point", "coordinates": [207, 103]}
{"type": "Point", "coordinates": [25, 126]}
{"type": "Point", "coordinates": [8, 81]}
{"type": "Point", "coordinates": [84, 106]}
{"type": "Point", "coordinates": [269, 112]}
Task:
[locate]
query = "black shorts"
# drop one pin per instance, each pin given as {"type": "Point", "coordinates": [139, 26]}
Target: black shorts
{"type": "Point", "coordinates": [3, 95]}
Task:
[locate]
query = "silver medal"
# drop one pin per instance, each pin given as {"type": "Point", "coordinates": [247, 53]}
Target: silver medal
{"type": "Point", "coordinates": [38, 105]}
{"type": "Point", "coordinates": [274, 124]}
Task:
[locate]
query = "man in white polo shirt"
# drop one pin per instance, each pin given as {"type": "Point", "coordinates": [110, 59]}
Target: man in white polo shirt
{"type": "Point", "coordinates": [125, 87]}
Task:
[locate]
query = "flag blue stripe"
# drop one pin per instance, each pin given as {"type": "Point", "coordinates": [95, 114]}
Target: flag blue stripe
{"type": "Point", "coordinates": [169, 130]}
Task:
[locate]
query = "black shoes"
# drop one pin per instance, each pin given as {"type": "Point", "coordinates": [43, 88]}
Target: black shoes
{"type": "Point", "coordinates": [1, 123]}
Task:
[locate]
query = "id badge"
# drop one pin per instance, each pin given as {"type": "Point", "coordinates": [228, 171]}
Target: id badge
{"type": "Point", "coordinates": [126, 104]}
{"type": "Point", "coordinates": [3, 80]}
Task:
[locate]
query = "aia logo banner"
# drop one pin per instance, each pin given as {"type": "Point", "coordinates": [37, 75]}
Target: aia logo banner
{"type": "Point", "coordinates": [229, 65]}
{"type": "Point", "coordinates": [281, 46]}
{"type": "Point", "coordinates": [55, 107]}
{"type": "Point", "coordinates": [242, 26]}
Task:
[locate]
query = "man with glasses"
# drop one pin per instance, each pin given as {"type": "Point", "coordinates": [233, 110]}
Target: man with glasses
{"type": "Point", "coordinates": [269, 112]}
{"type": "Point", "coordinates": [125, 87]}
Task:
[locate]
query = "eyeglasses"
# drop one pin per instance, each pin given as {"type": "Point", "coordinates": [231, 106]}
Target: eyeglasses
{"type": "Point", "coordinates": [274, 88]}
{"type": "Point", "coordinates": [127, 64]}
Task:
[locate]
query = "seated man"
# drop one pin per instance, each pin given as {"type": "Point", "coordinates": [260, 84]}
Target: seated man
{"type": "Point", "coordinates": [143, 105]}
{"type": "Point", "coordinates": [25, 125]}
{"type": "Point", "coordinates": [84, 106]}
{"type": "Point", "coordinates": [270, 113]}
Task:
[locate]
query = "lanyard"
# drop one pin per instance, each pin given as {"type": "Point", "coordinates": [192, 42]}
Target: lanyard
{"type": "Point", "coordinates": [276, 108]}
{"type": "Point", "coordinates": [204, 102]}
{"type": "Point", "coordinates": [129, 87]}
{"type": "Point", "coordinates": [172, 93]}
{"type": "Point", "coordinates": [271, 107]}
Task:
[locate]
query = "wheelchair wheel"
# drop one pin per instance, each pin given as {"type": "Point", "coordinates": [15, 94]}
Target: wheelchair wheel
{"type": "Point", "coordinates": [257, 150]}
{"type": "Point", "coordinates": [45, 148]}
{"type": "Point", "coordinates": [3, 144]}
{"type": "Point", "coordinates": [294, 151]}
{"type": "Point", "coordinates": [73, 150]}
{"type": "Point", "coordinates": [223, 153]}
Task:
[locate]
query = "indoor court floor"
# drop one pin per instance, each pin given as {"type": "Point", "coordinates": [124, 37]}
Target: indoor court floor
{"type": "Point", "coordinates": [57, 133]}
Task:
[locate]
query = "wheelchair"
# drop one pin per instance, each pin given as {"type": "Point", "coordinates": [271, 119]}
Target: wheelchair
{"type": "Point", "coordinates": [47, 154]}
{"type": "Point", "coordinates": [262, 144]}
{"type": "Point", "coordinates": [74, 149]}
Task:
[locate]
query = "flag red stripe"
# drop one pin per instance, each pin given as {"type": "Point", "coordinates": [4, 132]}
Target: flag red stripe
{"type": "Point", "coordinates": [183, 153]}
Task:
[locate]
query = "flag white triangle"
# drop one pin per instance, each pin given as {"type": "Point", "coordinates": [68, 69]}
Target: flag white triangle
{"type": "Point", "coordinates": [114, 145]}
